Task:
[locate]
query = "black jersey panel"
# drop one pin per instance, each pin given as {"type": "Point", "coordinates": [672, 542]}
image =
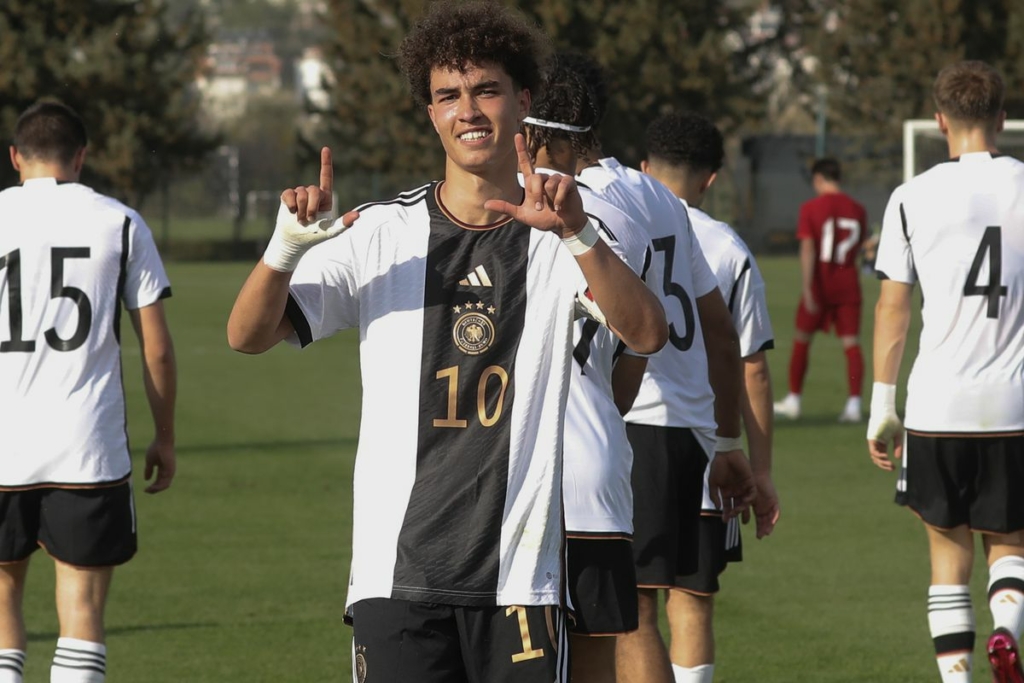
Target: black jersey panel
{"type": "Point", "coordinates": [473, 316]}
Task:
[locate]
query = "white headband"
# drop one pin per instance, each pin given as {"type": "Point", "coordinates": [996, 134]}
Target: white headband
{"type": "Point", "coordinates": [552, 124]}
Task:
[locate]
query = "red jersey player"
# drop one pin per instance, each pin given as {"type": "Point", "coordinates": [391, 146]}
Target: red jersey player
{"type": "Point", "coordinates": [831, 229]}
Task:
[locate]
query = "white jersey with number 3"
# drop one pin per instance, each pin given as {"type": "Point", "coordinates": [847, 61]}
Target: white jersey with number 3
{"type": "Point", "coordinates": [958, 229]}
{"type": "Point", "coordinates": [69, 257]}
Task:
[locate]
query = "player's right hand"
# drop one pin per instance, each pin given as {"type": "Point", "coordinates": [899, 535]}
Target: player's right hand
{"type": "Point", "coordinates": [732, 482]}
{"type": "Point", "coordinates": [305, 220]}
{"type": "Point", "coordinates": [766, 505]}
{"type": "Point", "coordinates": [160, 459]}
{"type": "Point", "coordinates": [809, 303]}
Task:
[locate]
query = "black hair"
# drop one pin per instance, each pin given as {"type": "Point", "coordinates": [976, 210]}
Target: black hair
{"type": "Point", "coordinates": [828, 168]}
{"type": "Point", "coordinates": [566, 99]}
{"type": "Point", "coordinates": [50, 130]}
{"type": "Point", "coordinates": [686, 139]}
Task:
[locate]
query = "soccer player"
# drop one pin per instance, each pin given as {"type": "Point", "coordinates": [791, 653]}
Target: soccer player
{"type": "Point", "coordinates": [831, 228]}
{"type": "Point", "coordinates": [69, 258]}
{"type": "Point", "coordinates": [598, 458]}
{"type": "Point", "coordinates": [958, 229]}
{"type": "Point", "coordinates": [687, 410]}
{"type": "Point", "coordinates": [464, 293]}
{"type": "Point", "coordinates": [684, 152]}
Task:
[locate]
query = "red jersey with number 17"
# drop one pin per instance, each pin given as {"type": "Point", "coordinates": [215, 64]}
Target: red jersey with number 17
{"type": "Point", "coordinates": [838, 225]}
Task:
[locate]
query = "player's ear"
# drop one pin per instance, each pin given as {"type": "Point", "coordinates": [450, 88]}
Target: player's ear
{"type": "Point", "coordinates": [14, 158]}
{"type": "Point", "coordinates": [644, 166]}
{"type": "Point", "coordinates": [79, 161]}
{"type": "Point", "coordinates": [941, 120]}
{"type": "Point", "coordinates": [1000, 121]}
{"type": "Point", "coordinates": [706, 185]}
{"type": "Point", "coordinates": [525, 100]}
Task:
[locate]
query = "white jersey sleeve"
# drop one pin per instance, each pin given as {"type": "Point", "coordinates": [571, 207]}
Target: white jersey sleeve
{"type": "Point", "coordinates": [325, 287]}
{"type": "Point", "coordinates": [739, 280]}
{"type": "Point", "coordinates": [894, 259]}
{"type": "Point", "coordinates": [145, 279]}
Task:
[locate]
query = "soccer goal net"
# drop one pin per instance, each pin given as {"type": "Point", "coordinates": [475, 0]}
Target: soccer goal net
{"type": "Point", "coordinates": [924, 146]}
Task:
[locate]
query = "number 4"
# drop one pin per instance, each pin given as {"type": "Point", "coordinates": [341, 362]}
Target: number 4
{"type": "Point", "coordinates": [992, 246]}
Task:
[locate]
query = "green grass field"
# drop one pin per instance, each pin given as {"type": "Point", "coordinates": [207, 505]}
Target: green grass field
{"type": "Point", "coordinates": [243, 562]}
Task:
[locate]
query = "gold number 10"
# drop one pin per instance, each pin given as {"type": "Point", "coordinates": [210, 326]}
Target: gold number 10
{"type": "Point", "coordinates": [524, 631]}
{"type": "Point", "coordinates": [452, 375]}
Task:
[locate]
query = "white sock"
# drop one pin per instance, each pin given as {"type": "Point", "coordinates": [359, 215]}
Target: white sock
{"type": "Point", "coordinates": [1006, 593]}
{"type": "Point", "coordinates": [853, 404]}
{"type": "Point", "coordinates": [704, 673]}
{"type": "Point", "coordinates": [78, 661]}
{"type": "Point", "coordinates": [951, 622]}
{"type": "Point", "coordinates": [12, 666]}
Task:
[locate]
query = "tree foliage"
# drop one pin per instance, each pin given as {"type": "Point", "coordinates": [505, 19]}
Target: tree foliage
{"type": "Point", "coordinates": [126, 67]}
{"type": "Point", "coordinates": [879, 58]}
{"type": "Point", "coordinates": [661, 54]}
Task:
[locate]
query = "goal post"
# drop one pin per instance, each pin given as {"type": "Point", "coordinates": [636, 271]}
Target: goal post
{"type": "Point", "coordinates": [924, 145]}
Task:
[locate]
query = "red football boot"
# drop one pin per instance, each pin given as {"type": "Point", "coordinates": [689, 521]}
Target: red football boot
{"type": "Point", "coordinates": [1004, 657]}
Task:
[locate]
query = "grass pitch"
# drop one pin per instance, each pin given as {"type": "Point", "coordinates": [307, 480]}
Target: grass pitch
{"type": "Point", "coordinates": [243, 563]}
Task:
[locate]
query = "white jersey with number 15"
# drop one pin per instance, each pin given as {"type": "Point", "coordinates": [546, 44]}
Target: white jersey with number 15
{"type": "Point", "coordinates": [958, 229]}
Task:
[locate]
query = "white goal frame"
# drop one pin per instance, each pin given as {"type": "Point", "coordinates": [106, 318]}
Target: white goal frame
{"type": "Point", "coordinates": [930, 127]}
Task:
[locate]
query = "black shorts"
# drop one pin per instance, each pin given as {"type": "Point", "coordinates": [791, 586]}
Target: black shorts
{"type": "Point", "coordinates": [400, 640]}
{"type": "Point", "coordinates": [951, 481]}
{"type": "Point", "coordinates": [93, 527]}
{"type": "Point", "coordinates": [602, 586]}
{"type": "Point", "coordinates": [720, 544]}
{"type": "Point", "coordinates": [668, 491]}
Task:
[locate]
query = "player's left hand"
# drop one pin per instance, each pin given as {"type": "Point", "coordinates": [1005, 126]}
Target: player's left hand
{"type": "Point", "coordinates": [550, 202]}
{"type": "Point", "coordinates": [766, 505]}
{"type": "Point", "coordinates": [160, 459]}
{"type": "Point", "coordinates": [732, 482]}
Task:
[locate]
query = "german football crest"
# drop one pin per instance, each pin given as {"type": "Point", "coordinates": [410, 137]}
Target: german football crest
{"type": "Point", "coordinates": [360, 664]}
{"type": "Point", "coordinates": [473, 332]}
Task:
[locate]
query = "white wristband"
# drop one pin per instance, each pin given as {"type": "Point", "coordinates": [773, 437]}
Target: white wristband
{"type": "Point", "coordinates": [583, 241]}
{"type": "Point", "coordinates": [728, 443]}
{"type": "Point", "coordinates": [883, 399]}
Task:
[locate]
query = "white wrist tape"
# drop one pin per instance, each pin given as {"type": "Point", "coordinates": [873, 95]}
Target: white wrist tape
{"type": "Point", "coordinates": [728, 443]}
{"type": "Point", "coordinates": [583, 241]}
{"type": "Point", "coordinates": [883, 398]}
{"type": "Point", "coordinates": [291, 239]}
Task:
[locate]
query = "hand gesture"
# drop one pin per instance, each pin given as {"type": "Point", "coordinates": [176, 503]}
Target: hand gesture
{"type": "Point", "coordinates": [160, 459]}
{"type": "Point", "coordinates": [766, 506]}
{"type": "Point", "coordinates": [883, 429]}
{"type": "Point", "coordinates": [550, 202]}
{"type": "Point", "coordinates": [295, 231]}
{"type": "Point", "coordinates": [731, 482]}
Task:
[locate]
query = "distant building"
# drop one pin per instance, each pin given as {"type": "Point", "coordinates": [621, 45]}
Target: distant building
{"type": "Point", "coordinates": [238, 65]}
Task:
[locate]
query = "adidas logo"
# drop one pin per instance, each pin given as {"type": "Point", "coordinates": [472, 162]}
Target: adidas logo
{"type": "Point", "coordinates": [1008, 598]}
{"type": "Point", "coordinates": [478, 278]}
{"type": "Point", "coordinates": [962, 666]}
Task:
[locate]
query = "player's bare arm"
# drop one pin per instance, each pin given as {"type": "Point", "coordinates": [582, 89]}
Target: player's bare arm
{"type": "Point", "coordinates": [159, 373]}
{"type": "Point", "coordinates": [757, 423]}
{"type": "Point", "coordinates": [627, 375]}
{"type": "Point", "coordinates": [892, 321]}
{"type": "Point", "coordinates": [257, 321]}
{"type": "Point", "coordinates": [808, 257]}
{"type": "Point", "coordinates": [730, 471]}
{"type": "Point", "coordinates": [553, 203]}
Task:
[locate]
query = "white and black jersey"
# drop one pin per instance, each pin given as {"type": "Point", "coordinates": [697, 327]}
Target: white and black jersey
{"type": "Point", "coordinates": [739, 281]}
{"type": "Point", "coordinates": [598, 457]}
{"type": "Point", "coordinates": [675, 391]}
{"type": "Point", "coordinates": [69, 257]}
{"type": "Point", "coordinates": [465, 346]}
{"type": "Point", "coordinates": [958, 229]}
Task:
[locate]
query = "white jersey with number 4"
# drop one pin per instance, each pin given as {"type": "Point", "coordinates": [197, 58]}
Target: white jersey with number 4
{"type": "Point", "coordinates": [69, 257]}
{"type": "Point", "coordinates": [958, 229]}
{"type": "Point", "coordinates": [675, 391]}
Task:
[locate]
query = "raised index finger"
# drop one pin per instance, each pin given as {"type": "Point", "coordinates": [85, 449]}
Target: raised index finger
{"type": "Point", "coordinates": [326, 171]}
{"type": "Point", "coordinates": [525, 163]}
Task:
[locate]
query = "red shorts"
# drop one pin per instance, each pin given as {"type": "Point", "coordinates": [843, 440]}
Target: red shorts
{"type": "Point", "coordinates": [844, 317]}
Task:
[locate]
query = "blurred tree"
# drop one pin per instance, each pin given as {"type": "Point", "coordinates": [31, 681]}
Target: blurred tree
{"type": "Point", "coordinates": [878, 60]}
{"type": "Point", "coordinates": [661, 54]}
{"type": "Point", "coordinates": [129, 71]}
